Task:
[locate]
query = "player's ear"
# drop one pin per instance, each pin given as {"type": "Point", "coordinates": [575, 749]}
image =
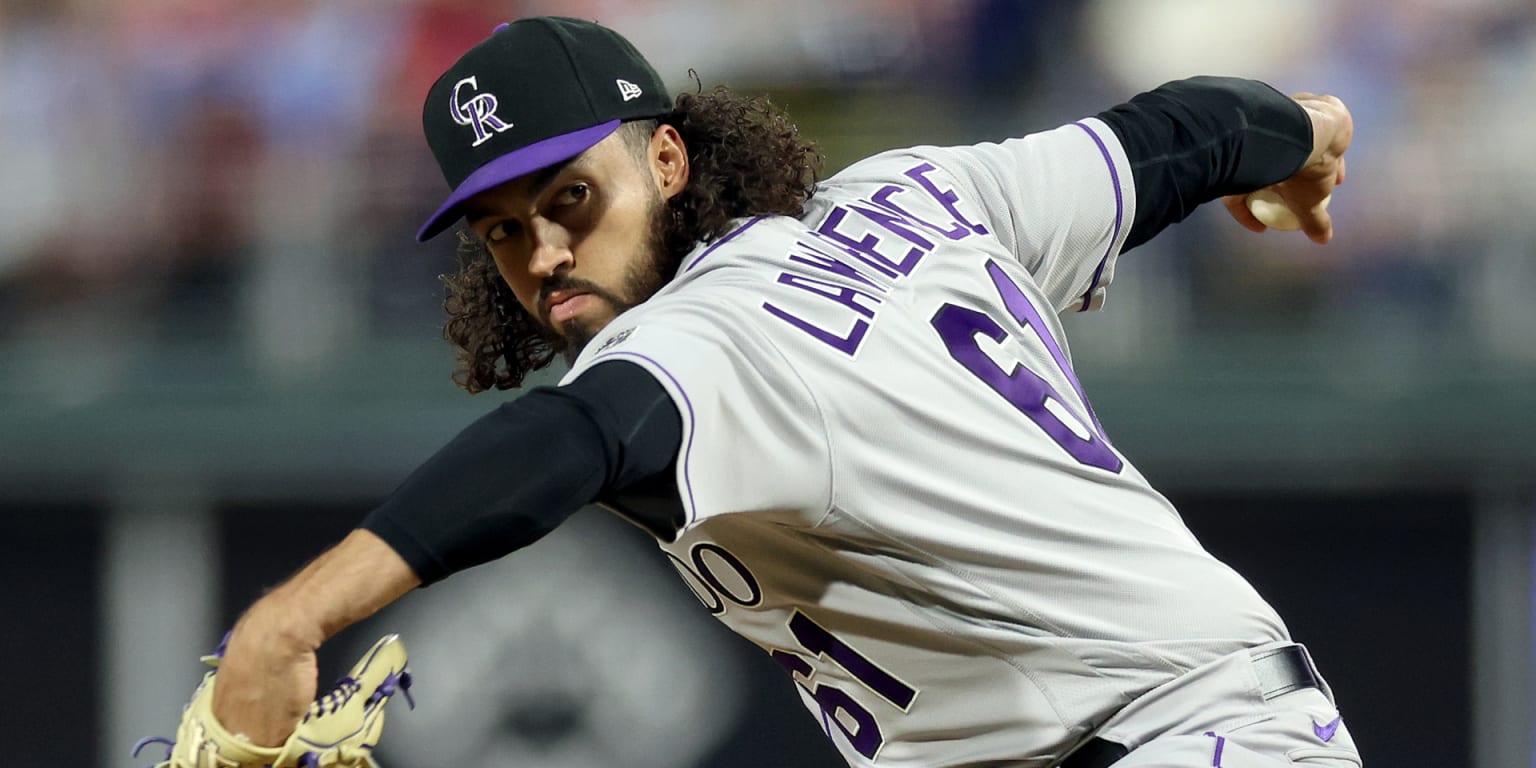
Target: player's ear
{"type": "Point", "coordinates": [669, 160]}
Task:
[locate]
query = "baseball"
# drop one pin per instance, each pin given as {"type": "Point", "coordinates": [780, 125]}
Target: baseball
{"type": "Point", "coordinates": [1270, 209]}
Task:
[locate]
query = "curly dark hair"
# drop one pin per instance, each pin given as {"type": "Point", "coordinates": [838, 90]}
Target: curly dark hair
{"type": "Point", "coordinates": [746, 158]}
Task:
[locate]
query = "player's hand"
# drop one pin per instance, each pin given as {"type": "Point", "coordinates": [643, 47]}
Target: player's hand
{"type": "Point", "coordinates": [1304, 192]}
{"type": "Point", "coordinates": [267, 678]}
{"type": "Point", "coordinates": [337, 730]}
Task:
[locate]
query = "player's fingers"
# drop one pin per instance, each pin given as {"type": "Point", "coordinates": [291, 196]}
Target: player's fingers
{"type": "Point", "coordinates": [1318, 225]}
{"type": "Point", "coordinates": [1237, 205]}
{"type": "Point", "coordinates": [1340, 178]}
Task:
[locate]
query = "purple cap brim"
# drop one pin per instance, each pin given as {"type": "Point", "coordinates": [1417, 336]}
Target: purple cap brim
{"type": "Point", "coordinates": [534, 157]}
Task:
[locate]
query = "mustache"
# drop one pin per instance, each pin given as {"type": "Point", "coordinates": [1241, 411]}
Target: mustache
{"type": "Point", "coordinates": [567, 283]}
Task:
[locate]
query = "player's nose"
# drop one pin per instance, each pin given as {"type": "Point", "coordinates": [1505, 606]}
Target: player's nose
{"type": "Point", "coordinates": [551, 250]}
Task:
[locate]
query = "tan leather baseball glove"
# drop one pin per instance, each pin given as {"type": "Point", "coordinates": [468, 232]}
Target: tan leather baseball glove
{"type": "Point", "coordinates": [339, 731]}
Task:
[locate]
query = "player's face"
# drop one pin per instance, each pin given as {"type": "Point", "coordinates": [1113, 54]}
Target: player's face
{"type": "Point", "coordinates": [581, 242]}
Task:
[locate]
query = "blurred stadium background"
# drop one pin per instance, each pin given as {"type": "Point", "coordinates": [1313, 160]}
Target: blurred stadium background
{"type": "Point", "coordinates": [219, 346]}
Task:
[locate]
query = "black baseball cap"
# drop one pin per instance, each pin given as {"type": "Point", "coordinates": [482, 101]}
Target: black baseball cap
{"type": "Point", "coordinates": [537, 92]}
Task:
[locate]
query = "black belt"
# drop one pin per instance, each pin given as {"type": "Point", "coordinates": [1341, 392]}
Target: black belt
{"type": "Point", "coordinates": [1280, 670]}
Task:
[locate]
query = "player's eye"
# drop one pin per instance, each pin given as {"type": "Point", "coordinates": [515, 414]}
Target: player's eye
{"type": "Point", "coordinates": [573, 194]}
{"type": "Point", "coordinates": [500, 231]}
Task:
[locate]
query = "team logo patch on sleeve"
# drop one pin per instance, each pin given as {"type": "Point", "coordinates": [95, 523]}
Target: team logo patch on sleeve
{"type": "Point", "coordinates": [617, 339]}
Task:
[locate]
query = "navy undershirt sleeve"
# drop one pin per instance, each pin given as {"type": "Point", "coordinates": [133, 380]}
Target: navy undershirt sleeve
{"type": "Point", "coordinates": [518, 472]}
{"type": "Point", "coordinates": [1192, 141]}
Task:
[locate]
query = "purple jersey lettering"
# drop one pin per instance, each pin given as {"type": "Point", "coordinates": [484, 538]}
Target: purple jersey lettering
{"type": "Point", "coordinates": [945, 197]}
{"type": "Point", "coordinates": [895, 227]}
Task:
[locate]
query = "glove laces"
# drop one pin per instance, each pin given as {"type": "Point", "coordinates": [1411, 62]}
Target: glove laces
{"type": "Point", "coordinates": [334, 699]}
{"type": "Point", "coordinates": [329, 703]}
{"type": "Point", "coordinates": [169, 745]}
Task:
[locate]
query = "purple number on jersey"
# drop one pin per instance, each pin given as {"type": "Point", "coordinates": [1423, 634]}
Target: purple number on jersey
{"type": "Point", "coordinates": [1026, 390]}
{"type": "Point", "coordinates": [816, 639]}
{"type": "Point", "coordinates": [836, 704]}
{"type": "Point", "coordinates": [836, 707]}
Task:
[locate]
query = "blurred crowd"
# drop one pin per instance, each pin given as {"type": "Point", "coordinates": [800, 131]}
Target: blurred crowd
{"type": "Point", "coordinates": [254, 171]}
{"type": "Point", "coordinates": [209, 168]}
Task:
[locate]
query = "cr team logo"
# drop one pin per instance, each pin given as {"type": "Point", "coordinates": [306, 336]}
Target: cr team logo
{"type": "Point", "coordinates": [479, 112]}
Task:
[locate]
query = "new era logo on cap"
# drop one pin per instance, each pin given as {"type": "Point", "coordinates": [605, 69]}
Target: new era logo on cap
{"type": "Point", "coordinates": [538, 92]}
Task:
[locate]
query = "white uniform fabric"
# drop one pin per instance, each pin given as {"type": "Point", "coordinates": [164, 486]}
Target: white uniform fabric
{"type": "Point", "coordinates": [1216, 715]}
{"type": "Point", "coordinates": [892, 481]}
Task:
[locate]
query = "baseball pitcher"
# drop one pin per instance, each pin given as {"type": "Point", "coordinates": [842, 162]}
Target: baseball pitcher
{"type": "Point", "coordinates": [845, 408]}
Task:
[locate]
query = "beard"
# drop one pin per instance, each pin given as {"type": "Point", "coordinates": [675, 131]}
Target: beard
{"type": "Point", "coordinates": [648, 271]}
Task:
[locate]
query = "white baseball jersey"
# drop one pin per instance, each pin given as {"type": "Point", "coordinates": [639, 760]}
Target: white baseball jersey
{"type": "Point", "coordinates": [893, 482]}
